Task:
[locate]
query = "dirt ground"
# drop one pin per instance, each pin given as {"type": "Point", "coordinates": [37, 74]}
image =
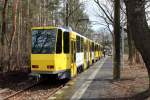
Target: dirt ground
{"type": "Point", "coordinates": [11, 79]}
{"type": "Point", "coordinates": [133, 83]}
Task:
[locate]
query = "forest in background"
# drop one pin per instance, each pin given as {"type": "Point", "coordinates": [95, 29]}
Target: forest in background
{"type": "Point", "coordinates": [19, 16]}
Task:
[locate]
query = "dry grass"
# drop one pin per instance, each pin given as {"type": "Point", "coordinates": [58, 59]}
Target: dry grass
{"type": "Point", "coordinates": [134, 80]}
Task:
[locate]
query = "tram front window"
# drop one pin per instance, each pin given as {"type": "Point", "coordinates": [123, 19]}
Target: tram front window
{"type": "Point", "coordinates": [43, 41]}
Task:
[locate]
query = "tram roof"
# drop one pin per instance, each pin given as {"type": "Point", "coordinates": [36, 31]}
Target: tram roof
{"type": "Point", "coordinates": [63, 29]}
{"type": "Point", "coordinates": [43, 27]}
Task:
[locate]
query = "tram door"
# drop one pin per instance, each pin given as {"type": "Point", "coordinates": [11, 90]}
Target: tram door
{"type": "Point", "coordinates": [73, 59]}
{"type": "Point", "coordinates": [90, 53]}
{"type": "Point", "coordinates": [85, 55]}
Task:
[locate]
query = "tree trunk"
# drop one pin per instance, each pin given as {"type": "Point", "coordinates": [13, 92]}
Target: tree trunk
{"type": "Point", "coordinates": [117, 41]}
{"type": "Point", "coordinates": [137, 57]}
{"type": "Point", "coordinates": [4, 15]}
{"type": "Point", "coordinates": [139, 29]}
{"type": "Point", "coordinates": [15, 7]}
{"type": "Point", "coordinates": [130, 46]}
{"type": "Point", "coordinates": [113, 46]}
{"type": "Point", "coordinates": [19, 36]}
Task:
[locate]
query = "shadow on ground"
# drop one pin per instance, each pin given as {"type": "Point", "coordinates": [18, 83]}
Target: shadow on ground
{"type": "Point", "coordinates": [140, 96]}
{"type": "Point", "coordinates": [17, 81]}
{"type": "Point", "coordinates": [7, 80]}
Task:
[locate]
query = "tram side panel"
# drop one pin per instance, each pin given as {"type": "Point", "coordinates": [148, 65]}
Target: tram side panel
{"type": "Point", "coordinates": [96, 52]}
{"type": "Point", "coordinates": [93, 53]}
{"type": "Point", "coordinates": [79, 53]}
{"type": "Point", "coordinates": [86, 56]}
{"type": "Point", "coordinates": [88, 52]}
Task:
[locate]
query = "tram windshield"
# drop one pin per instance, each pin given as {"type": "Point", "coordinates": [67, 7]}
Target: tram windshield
{"type": "Point", "coordinates": [43, 41]}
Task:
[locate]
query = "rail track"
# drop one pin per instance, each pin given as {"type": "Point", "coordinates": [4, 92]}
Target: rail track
{"type": "Point", "coordinates": [12, 93]}
{"type": "Point", "coordinates": [50, 93]}
{"type": "Point", "coordinates": [18, 92]}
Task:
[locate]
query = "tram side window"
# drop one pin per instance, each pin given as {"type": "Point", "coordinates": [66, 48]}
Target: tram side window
{"type": "Point", "coordinates": [78, 44]}
{"type": "Point", "coordinates": [82, 44]}
{"type": "Point", "coordinates": [66, 42]}
{"type": "Point", "coordinates": [85, 47]}
{"type": "Point", "coordinates": [59, 41]}
{"type": "Point", "coordinates": [92, 46]}
{"type": "Point", "coordinates": [96, 47]}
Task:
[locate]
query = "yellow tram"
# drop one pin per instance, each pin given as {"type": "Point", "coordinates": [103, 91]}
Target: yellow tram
{"type": "Point", "coordinates": [61, 52]}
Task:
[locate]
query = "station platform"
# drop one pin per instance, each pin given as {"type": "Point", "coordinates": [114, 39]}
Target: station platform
{"type": "Point", "coordinates": [90, 84]}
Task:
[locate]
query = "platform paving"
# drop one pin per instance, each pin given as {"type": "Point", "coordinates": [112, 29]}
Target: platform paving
{"type": "Point", "coordinates": [91, 84]}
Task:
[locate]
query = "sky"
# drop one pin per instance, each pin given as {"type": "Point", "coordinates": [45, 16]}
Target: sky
{"type": "Point", "coordinates": [91, 9]}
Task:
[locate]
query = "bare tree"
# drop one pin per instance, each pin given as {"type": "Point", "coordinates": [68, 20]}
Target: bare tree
{"type": "Point", "coordinates": [4, 16]}
{"type": "Point", "coordinates": [15, 7]}
{"type": "Point", "coordinates": [139, 28]}
{"type": "Point", "coordinates": [117, 36]}
{"type": "Point", "coordinates": [107, 18]}
{"type": "Point", "coordinates": [3, 32]}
